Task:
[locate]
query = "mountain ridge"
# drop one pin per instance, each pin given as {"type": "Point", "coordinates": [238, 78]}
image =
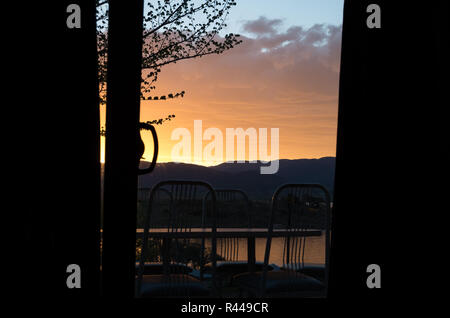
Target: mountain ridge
{"type": "Point", "coordinates": [246, 176]}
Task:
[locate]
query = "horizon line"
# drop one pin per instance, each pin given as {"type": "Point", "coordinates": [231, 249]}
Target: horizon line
{"type": "Point", "coordinates": [246, 162]}
{"type": "Point", "coordinates": [222, 162]}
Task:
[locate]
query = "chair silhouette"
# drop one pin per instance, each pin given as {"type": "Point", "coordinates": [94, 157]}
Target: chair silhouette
{"type": "Point", "coordinates": [233, 211]}
{"type": "Point", "coordinates": [143, 196]}
{"type": "Point", "coordinates": [295, 208]}
{"type": "Point", "coordinates": [172, 266]}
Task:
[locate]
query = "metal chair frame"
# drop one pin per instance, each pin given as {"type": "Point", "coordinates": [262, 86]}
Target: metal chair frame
{"type": "Point", "coordinates": [180, 190]}
{"type": "Point", "coordinates": [296, 246]}
{"type": "Point", "coordinates": [231, 245]}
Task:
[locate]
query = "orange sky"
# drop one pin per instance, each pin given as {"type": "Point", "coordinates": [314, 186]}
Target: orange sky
{"type": "Point", "coordinates": [286, 80]}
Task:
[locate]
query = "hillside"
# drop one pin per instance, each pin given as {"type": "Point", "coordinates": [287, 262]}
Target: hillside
{"type": "Point", "coordinates": [246, 176]}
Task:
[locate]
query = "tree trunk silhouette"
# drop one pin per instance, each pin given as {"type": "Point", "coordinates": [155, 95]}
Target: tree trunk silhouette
{"type": "Point", "coordinates": [122, 147]}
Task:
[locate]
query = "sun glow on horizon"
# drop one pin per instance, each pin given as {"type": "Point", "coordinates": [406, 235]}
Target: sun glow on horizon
{"type": "Point", "coordinates": [284, 75]}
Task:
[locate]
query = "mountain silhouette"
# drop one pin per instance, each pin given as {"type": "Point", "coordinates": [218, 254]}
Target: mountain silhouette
{"type": "Point", "coordinates": [246, 176]}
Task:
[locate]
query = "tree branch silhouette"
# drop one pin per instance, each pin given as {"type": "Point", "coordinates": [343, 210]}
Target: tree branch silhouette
{"type": "Point", "coordinates": [174, 30]}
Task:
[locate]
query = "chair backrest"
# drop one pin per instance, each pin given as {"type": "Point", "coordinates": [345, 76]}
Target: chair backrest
{"type": "Point", "coordinates": [233, 211]}
{"type": "Point", "coordinates": [178, 206]}
{"type": "Point", "coordinates": [143, 196]}
{"type": "Point", "coordinates": [233, 208]}
{"type": "Point", "coordinates": [297, 208]}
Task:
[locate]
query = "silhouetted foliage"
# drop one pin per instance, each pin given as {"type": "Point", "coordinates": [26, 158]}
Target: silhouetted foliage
{"type": "Point", "coordinates": [145, 125]}
{"type": "Point", "coordinates": [183, 252]}
{"type": "Point", "coordinates": [174, 30]}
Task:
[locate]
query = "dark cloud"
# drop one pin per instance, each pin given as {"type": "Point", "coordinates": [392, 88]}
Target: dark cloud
{"type": "Point", "coordinates": [262, 26]}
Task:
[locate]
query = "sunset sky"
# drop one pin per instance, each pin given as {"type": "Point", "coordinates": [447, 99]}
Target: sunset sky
{"type": "Point", "coordinates": [284, 75]}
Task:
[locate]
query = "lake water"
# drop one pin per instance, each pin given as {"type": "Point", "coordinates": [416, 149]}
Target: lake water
{"type": "Point", "coordinates": [314, 248]}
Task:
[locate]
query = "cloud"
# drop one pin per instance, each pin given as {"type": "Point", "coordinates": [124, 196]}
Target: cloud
{"type": "Point", "coordinates": [262, 26]}
{"type": "Point", "coordinates": [280, 64]}
{"type": "Point", "coordinates": [285, 79]}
